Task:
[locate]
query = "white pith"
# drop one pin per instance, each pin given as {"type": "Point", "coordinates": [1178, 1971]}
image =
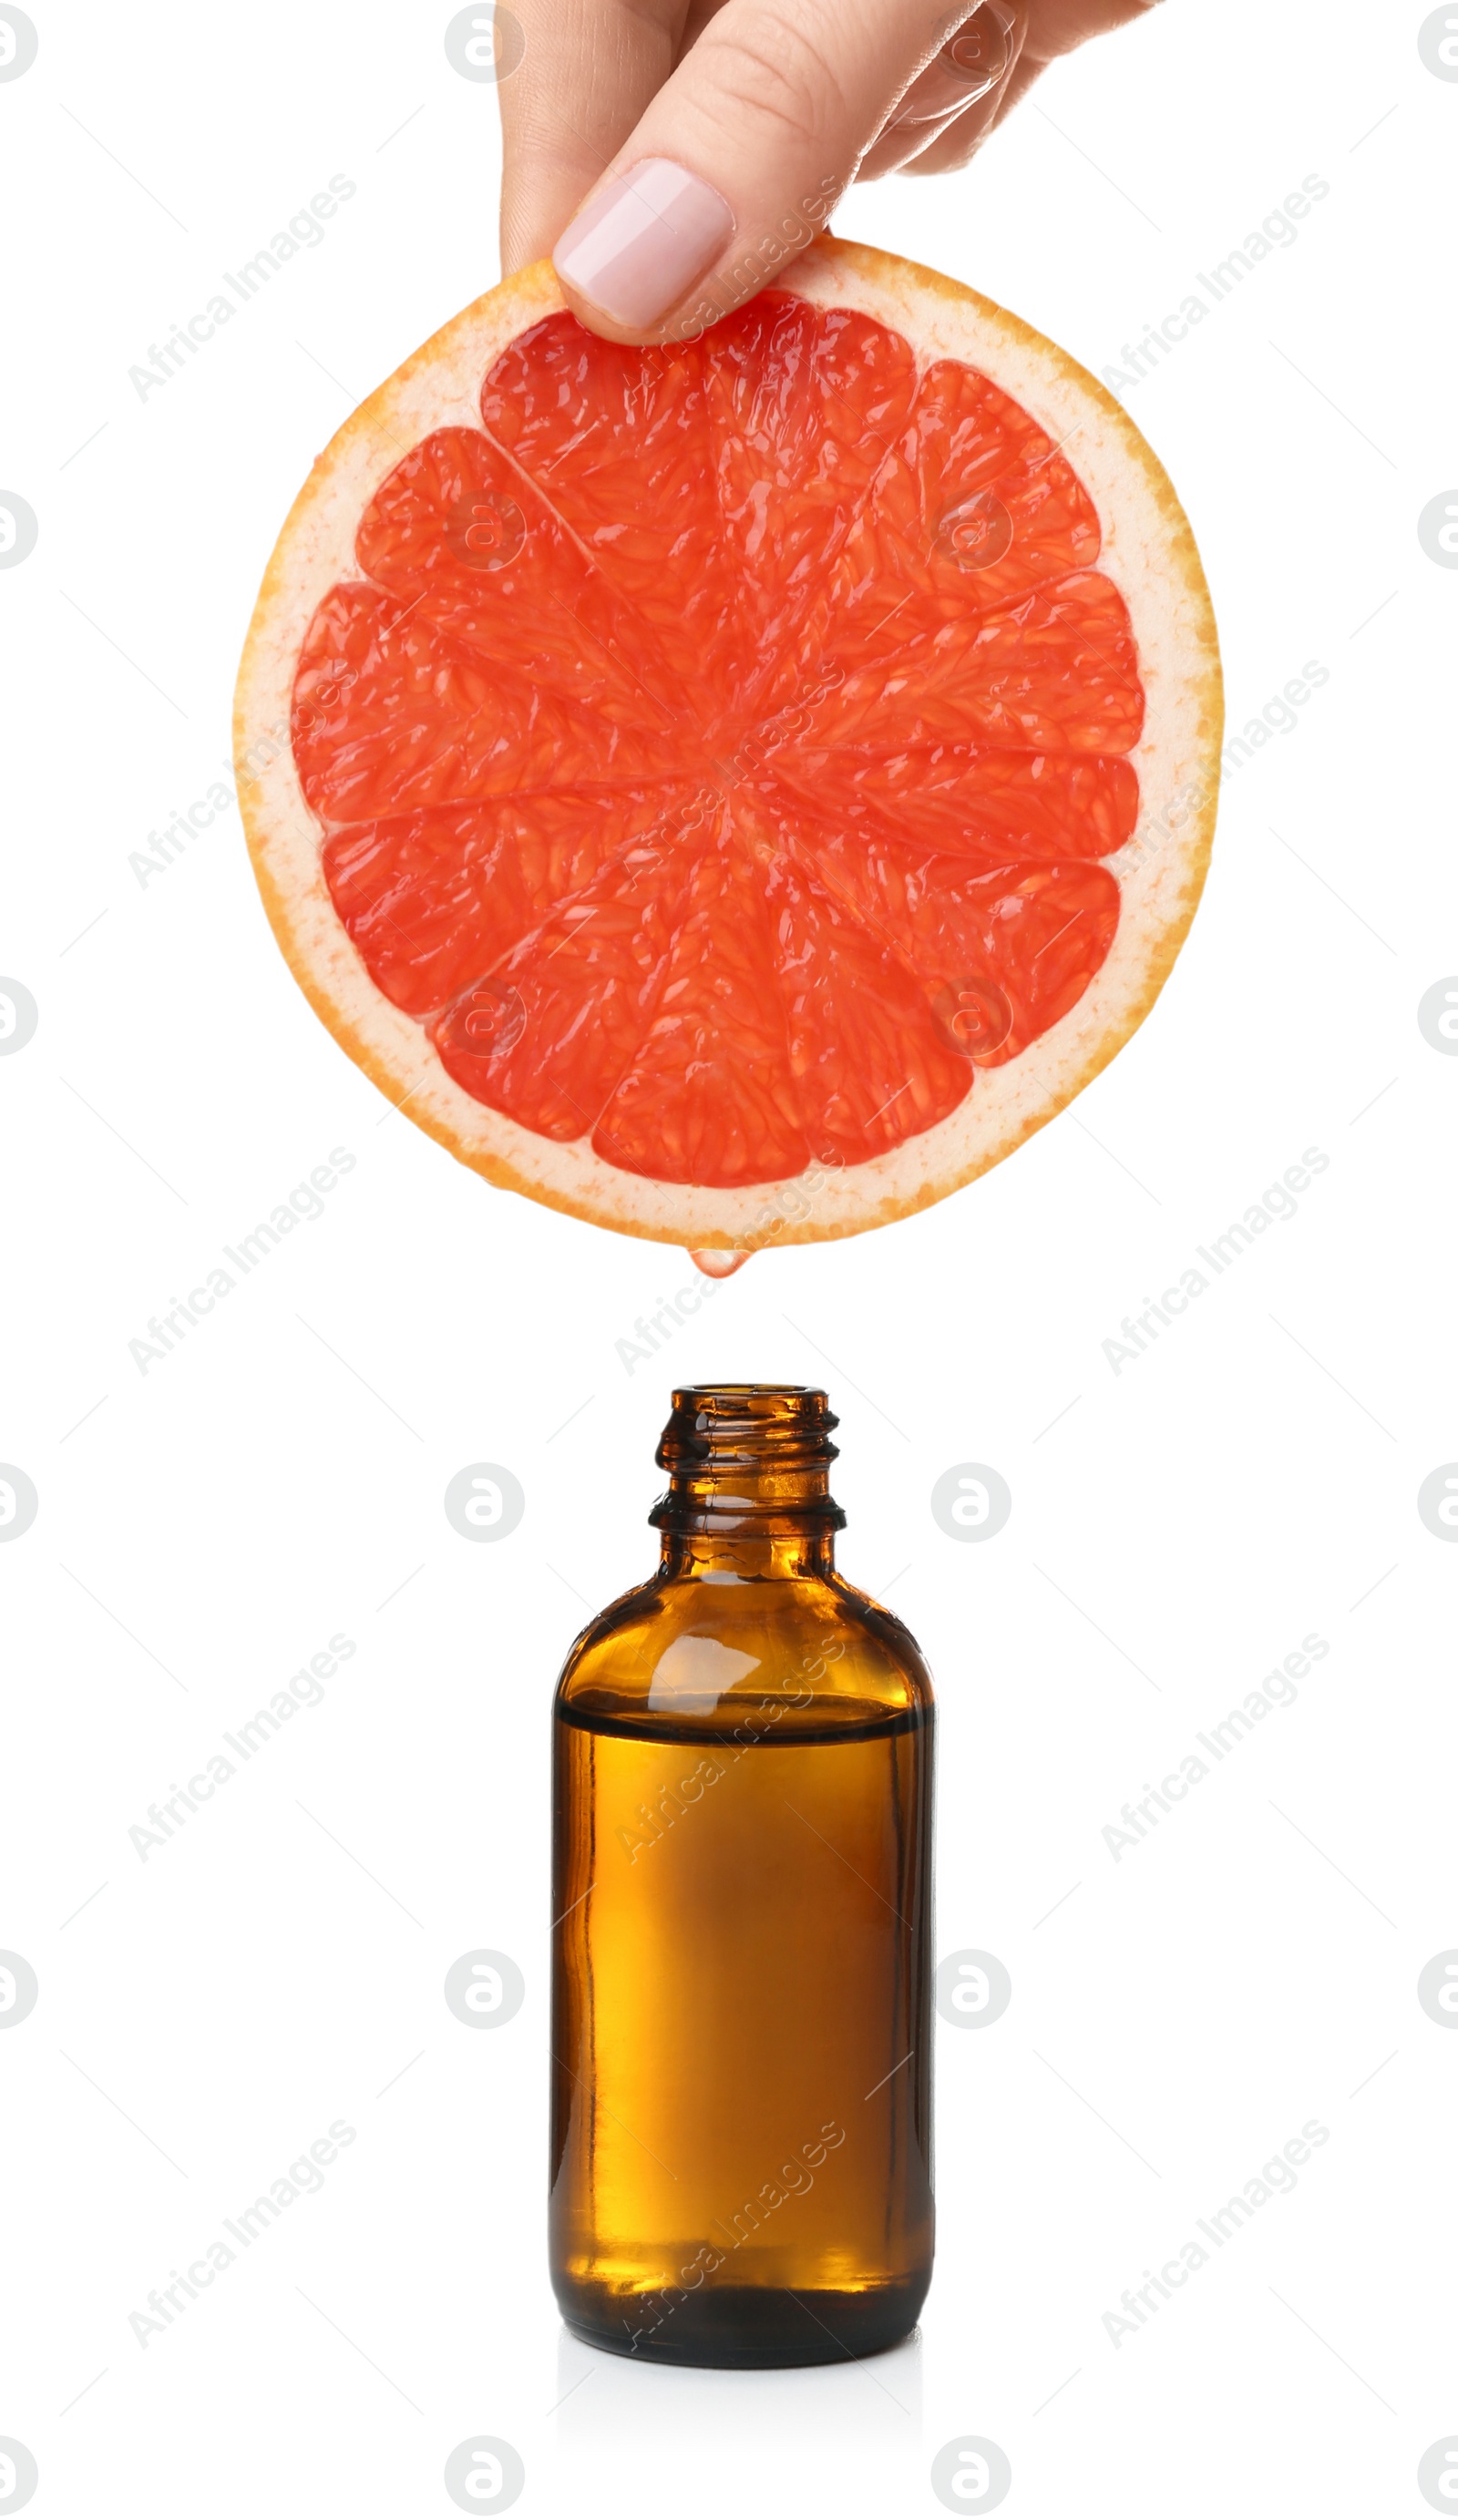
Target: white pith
{"type": "Point", "coordinates": [1148, 554]}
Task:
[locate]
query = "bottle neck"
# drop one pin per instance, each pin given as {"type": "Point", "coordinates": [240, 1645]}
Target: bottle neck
{"type": "Point", "coordinates": [748, 1495]}
{"type": "Point", "coordinates": [697, 1557]}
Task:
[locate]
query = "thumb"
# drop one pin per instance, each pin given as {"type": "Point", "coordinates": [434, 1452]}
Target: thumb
{"type": "Point", "coordinates": [739, 160]}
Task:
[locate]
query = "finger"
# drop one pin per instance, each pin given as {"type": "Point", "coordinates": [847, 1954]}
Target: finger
{"type": "Point", "coordinates": [959, 141]}
{"type": "Point", "coordinates": [971, 68]}
{"type": "Point", "coordinates": [587, 70]}
{"type": "Point", "coordinates": [1054, 27]}
{"type": "Point", "coordinates": [739, 158]}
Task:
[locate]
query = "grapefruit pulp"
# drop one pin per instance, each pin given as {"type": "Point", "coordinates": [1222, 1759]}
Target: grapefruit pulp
{"type": "Point", "coordinates": [783, 758]}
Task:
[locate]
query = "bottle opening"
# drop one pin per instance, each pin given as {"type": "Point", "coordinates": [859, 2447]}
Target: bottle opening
{"type": "Point", "coordinates": [751, 1457]}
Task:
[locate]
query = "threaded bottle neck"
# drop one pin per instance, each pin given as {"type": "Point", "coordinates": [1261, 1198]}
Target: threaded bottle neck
{"type": "Point", "coordinates": [749, 1461]}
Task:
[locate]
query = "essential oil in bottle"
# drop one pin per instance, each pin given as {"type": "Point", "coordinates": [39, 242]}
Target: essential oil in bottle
{"type": "Point", "coordinates": [741, 2151]}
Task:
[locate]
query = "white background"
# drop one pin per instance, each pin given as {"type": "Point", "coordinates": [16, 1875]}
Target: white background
{"type": "Point", "coordinates": [1177, 1527]}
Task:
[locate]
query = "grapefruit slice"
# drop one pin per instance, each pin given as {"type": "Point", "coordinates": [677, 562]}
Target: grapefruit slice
{"type": "Point", "coordinates": [739, 789]}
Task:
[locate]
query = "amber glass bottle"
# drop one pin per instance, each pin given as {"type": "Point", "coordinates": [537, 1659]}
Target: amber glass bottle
{"type": "Point", "coordinates": [741, 2125]}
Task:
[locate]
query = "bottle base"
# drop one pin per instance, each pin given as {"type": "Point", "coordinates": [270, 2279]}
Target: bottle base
{"type": "Point", "coordinates": [753, 2327]}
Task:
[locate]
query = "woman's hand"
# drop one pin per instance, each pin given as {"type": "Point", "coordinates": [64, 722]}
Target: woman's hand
{"type": "Point", "coordinates": [675, 155]}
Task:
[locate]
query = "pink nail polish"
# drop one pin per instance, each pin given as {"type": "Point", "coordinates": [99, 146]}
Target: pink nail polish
{"type": "Point", "coordinates": [637, 248]}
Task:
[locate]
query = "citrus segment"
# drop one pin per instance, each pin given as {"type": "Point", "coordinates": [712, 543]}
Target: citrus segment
{"type": "Point", "coordinates": [973, 507]}
{"type": "Point", "coordinates": [973, 800]}
{"type": "Point", "coordinates": [872, 1063]}
{"type": "Point", "coordinates": [1055, 671]}
{"type": "Point", "coordinates": [587, 982]}
{"type": "Point", "coordinates": [707, 1095]}
{"type": "Point", "coordinates": [803, 407]}
{"type": "Point", "coordinates": [1001, 955]}
{"type": "Point", "coordinates": [458, 532]}
{"type": "Point", "coordinates": [434, 898]}
{"type": "Point", "coordinates": [391, 713]}
{"type": "Point", "coordinates": [616, 439]}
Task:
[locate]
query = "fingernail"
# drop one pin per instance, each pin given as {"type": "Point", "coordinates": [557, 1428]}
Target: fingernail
{"type": "Point", "coordinates": [643, 241]}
